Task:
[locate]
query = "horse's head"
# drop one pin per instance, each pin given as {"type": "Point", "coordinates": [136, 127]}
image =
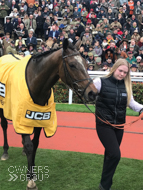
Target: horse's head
{"type": "Point", "coordinates": [74, 71]}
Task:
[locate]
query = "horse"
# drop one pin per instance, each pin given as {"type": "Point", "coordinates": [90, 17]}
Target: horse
{"type": "Point", "coordinates": [41, 73]}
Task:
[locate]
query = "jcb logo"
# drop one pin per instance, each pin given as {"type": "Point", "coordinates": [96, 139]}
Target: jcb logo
{"type": "Point", "coordinates": [38, 115]}
{"type": "Point", "coordinates": [2, 90]}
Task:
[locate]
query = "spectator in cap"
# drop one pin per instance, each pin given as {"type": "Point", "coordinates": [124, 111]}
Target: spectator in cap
{"type": "Point", "coordinates": [87, 36]}
{"type": "Point", "coordinates": [105, 67]}
{"type": "Point", "coordinates": [76, 13]}
{"type": "Point", "coordinates": [91, 49]}
{"type": "Point", "coordinates": [11, 49]}
{"type": "Point", "coordinates": [24, 50]}
{"type": "Point", "coordinates": [109, 62]}
{"type": "Point", "coordinates": [93, 19]}
{"type": "Point", "coordinates": [98, 65]}
{"type": "Point", "coordinates": [140, 68]}
{"type": "Point", "coordinates": [8, 26]}
{"type": "Point", "coordinates": [131, 59]}
{"type": "Point", "coordinates": [6, 42]}
{"type": "Point", "coordinates": [90, 67]}
{"type": "Point", "coordinates": [134, 68]}
{"type": "Point", "coordinates": [127, 24]}
{"type": "Point", "coordinates": [131, 48]}
{"type": "Point", "coordinates": [90, 58]}
{"type": "Point", "coordinates": [85, 54]}
{"type": "Point", "coordinates": [22, 12]}
{"type": "Point", "coordinates": [101, 14]}
{"type": "Point", "coordinates": [24, 6]}
{"type": "Point", "coordinates": [39, 50]}
{"type": "Point", "coordinates": [136, 36]}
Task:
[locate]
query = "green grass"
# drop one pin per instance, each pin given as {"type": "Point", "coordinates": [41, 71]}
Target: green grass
{"type": "Point", "coordinates": [69, 171]}
{"type": "Point", "coordinates": [82, 108]}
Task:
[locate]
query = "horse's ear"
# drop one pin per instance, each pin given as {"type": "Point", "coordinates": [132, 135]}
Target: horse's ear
{"type": "Point", "coordinates": [77, 45]}
{"type": "Point", "coordinates": [65, 44]}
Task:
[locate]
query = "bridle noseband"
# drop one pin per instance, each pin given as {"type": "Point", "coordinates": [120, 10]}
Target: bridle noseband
{"type": "Point", "coordinates": [74, 82]}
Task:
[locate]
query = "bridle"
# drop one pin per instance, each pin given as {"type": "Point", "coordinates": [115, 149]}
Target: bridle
{"type": "Point", "coordinates": [74, 82]}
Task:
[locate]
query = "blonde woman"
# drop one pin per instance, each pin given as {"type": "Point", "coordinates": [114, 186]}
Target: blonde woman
{"type": "Point", "coordinates": [25, 19]}
{"type": "Point", "coordinates": [115, 94]}
{"type": "Point", "coordinates": [14, 13]}
{"type": "Point", "coordinates": [105, 23]}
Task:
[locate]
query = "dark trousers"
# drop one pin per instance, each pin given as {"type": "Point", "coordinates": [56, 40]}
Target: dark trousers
{"type": "Point", "coordinates": [111, 139]}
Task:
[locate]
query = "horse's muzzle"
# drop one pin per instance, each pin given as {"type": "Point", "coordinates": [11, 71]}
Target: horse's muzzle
{"type": "Point", "coordinates": [91, 96]}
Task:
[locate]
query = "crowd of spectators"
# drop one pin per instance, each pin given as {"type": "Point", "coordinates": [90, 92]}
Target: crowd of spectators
{"type": "Point", "coordinates": [109, 29]}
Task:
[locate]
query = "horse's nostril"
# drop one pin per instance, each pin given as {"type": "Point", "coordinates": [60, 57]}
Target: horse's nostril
{"type": "Point", "coordinates": [91, 96]}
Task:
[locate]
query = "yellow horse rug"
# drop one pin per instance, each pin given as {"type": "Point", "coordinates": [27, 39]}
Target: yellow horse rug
{"type": "Point", "coordinates": [16, 102]}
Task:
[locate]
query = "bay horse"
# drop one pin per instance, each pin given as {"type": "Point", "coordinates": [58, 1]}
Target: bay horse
{"type": "Point", "coordinates": [41, 73]}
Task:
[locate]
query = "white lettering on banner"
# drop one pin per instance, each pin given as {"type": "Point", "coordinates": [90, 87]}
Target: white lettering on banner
{"type": "Point", "coordinates": [2, 90]}
{"type": "Point", "coordinates": [37, 115]}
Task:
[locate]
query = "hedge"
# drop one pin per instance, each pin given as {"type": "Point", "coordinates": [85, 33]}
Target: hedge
{"type": "Point", "coordinates": [61, 93]}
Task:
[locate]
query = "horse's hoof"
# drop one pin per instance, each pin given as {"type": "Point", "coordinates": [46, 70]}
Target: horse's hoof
{"type": "Point", "coordinates": [4, 156]}
{"type": "Point", "coordinates": [31, 185]}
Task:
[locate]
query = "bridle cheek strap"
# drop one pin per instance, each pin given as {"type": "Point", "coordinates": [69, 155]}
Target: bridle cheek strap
{"type": "Point", "coordinates": [74, 82]}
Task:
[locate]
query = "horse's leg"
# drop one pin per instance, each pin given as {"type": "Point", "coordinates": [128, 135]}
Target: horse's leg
{"type": "Point", "coordinates": [30, 148]}
{"type": "Point", "coordinates": [23, 151]}
{"type": "Point", "coordinates": [4, 127]}
{"type": "Point", "coordinates": [35, 140]}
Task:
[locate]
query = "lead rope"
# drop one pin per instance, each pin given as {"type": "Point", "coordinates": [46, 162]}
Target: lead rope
{"type": "Point", "coordinates": [117, 126]}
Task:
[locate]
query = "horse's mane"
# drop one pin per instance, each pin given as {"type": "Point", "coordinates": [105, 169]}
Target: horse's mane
{"type": "Point", "coordinates": [41, 55]}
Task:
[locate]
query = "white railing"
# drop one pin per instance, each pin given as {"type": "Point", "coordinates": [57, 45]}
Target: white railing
{"type": "Point", "coordinates": [135, 76]}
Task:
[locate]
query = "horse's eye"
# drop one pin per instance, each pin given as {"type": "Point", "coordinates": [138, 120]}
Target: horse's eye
{"type": "Point", "coordinates": [72, 66]}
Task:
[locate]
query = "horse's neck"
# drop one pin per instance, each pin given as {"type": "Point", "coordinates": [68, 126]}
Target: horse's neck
{"type": "Point", "coordinates": [42, 75]}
